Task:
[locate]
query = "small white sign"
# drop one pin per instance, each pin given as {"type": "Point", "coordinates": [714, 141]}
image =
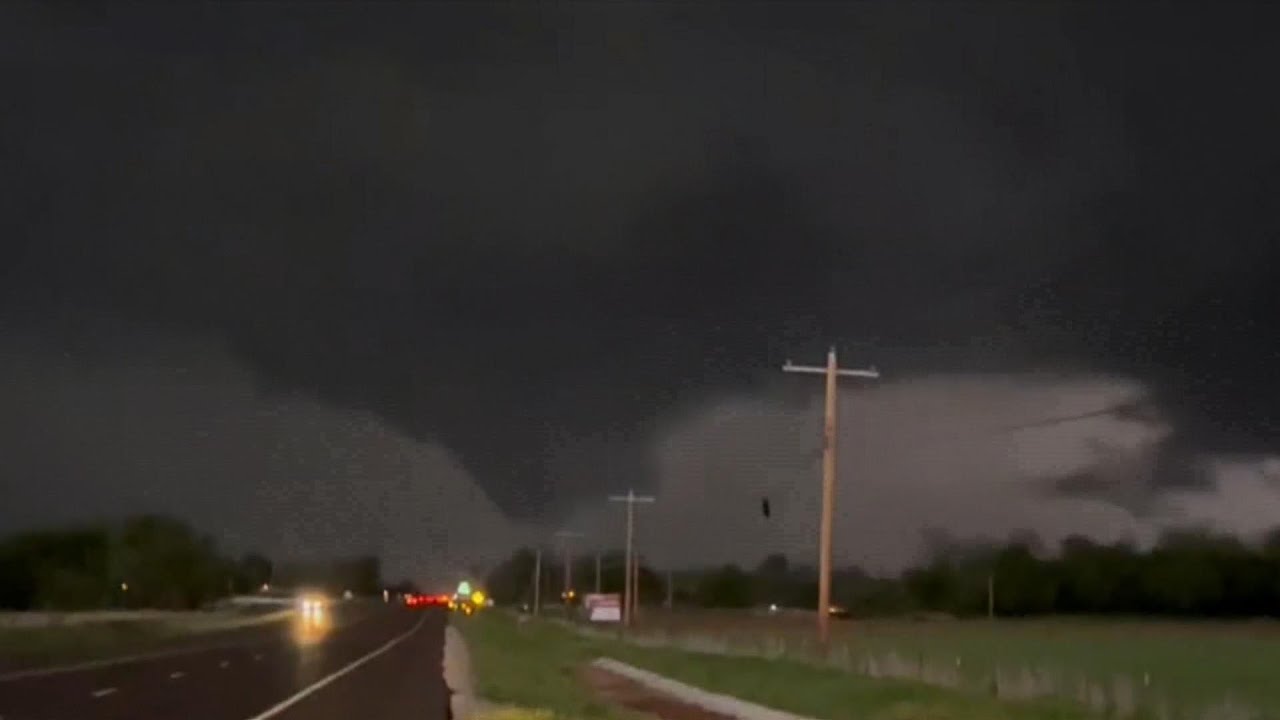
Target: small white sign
{"type": "Point", "coordinates": [606, 614]}
{"type": "Point", "coordinates": [605, 607]}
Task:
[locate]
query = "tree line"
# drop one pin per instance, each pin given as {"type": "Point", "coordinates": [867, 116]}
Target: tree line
{"type": "Point", "coordinates": [150, 561]}
{"type": "Point", "coordinates": [1189, 573]}
{"type": "Point", "coordinates": [1186, 573]}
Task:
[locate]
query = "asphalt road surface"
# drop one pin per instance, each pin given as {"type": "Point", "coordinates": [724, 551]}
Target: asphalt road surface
{"type": "Point", "coordinates": [383, 666]}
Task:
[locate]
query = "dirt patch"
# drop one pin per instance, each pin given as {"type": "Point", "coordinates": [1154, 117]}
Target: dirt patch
{"type": "Point", "coordinates": [628, 693]}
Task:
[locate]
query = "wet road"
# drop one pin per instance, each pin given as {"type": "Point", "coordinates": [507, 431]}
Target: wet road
{"type": "Point", "coordinates": [385, 666]}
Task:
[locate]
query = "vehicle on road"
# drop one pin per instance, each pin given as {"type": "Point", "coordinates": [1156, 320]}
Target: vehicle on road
{"type": "Point", "coordinates": [426, 601]}
{"type": "Point", "coordinates": [313, 606]}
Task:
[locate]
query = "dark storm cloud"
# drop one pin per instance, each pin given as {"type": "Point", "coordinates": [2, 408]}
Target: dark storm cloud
{"type": "Point", "coordinates": [531, 232]}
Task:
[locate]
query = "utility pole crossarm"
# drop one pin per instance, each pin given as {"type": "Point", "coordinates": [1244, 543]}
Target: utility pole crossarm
{"type": "Point", "coordinates": [790, 367]}
{"type": "Point", "coordinates": [632, 498]}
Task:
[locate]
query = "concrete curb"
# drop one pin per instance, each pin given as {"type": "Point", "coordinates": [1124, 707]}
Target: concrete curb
{"type": "Point", "coordinates": [713, 702]}
{"type": "Point", "coordinates": [457, 675]}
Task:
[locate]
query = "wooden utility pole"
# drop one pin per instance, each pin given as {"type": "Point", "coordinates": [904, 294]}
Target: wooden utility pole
{"type": "Point", "coordinates": [598, 572]}
{"type": "Point", "coordinates": [635, 584]}
{"type": "Point", "coordinates": [537, 580]}
{"type": "Point", "coordinates": [991, 595]}
{"type": "Point", "coordinates": [832, 371]}
{"type": "Point", "coordinates": [567, 536]}
{"type": "Point", "coordinates": [631, 576]}
{"type": "Point", "coordinates": [671, 590]}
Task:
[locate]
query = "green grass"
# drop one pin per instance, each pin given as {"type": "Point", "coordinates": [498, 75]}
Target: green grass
{"type": "Point", "coordinates": [534, 666]}
{"type": "Point", "coordinates": [1168, 669]}
{"type": "Point", "coordinates": [1191, 667]}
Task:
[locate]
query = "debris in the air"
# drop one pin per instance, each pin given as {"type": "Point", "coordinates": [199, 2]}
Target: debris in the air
{"type": "Point", "coordinates": [764, 507]}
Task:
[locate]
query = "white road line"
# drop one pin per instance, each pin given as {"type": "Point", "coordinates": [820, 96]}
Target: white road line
{"type": "Point", "coordinates": [176, 675]}
{"type": "Point", "coordinates": [224, 664]}
{"type": "Point", "coordinates": [290, 701]}
{"type": "Point", "coordinates": [103, 692]}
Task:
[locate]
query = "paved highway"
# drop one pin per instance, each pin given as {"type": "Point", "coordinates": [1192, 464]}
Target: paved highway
{"type": "Point", "coordinates": [383, 666]}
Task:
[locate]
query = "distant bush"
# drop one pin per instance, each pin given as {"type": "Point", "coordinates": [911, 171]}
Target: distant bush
{"type": "Point", "coordinates": [148, 561]}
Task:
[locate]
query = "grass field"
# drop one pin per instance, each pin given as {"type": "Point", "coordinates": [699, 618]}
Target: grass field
{"type": "Point", "coordinates": [534, 666]}
{"type": "Point", "coordinates": [1116, 668]}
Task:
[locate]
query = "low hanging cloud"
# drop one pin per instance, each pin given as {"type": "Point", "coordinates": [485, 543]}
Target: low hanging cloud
{"type": "Point", "coordinates": [179, 427]}
{"type": "Point", "coordinates": [975, 456]}
{"type": "Point", "coordinates": [1244, 502]}
{"type": "Point", "coordinates": [176, 424]}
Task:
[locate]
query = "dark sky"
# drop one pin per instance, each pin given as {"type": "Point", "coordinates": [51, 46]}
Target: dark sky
{"type": "Point", "coordinates": [534, 241]}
